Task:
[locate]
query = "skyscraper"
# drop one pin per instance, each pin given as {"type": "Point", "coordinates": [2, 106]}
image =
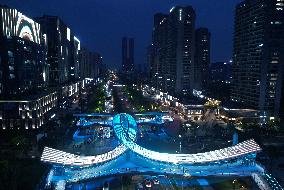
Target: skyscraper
{"type": "Point", "coordinates": [172, 63]}
{"type": "Point", "coordinates": [159, 51]}
{"type": "Point", "coordinates": [127, 55]}
{"type": "Point", "coordinates": [202, 58]}
{"type": "Point", "coordinates": [179, 74]}
{"type": "Point", "coordinates": [258, 55]}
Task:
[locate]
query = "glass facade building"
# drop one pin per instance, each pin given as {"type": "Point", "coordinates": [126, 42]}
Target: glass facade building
{"type": "Point", "coordinates": [258, 55]}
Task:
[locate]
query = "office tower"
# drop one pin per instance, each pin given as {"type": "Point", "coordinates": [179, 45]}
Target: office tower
{"type": "Point", "coordinates": [172, 51]}
{"type": "Point", "coordinates": [63, 50]}
{"type": "Point", "coordinates": [127, 55]}
{"type": "Point", "coordinates": [90, 64]}
{"type": "Point", "coordinates": [180, 50]}
{"type": "Point", "coordinates": [23, 67]}
{"type": "Point", "coordinates": [158, 51]}
{"type": "Point", "coordinates": [202, 58]}
{"type": "Point", "coordinates": [258, 55]}
{"type": "Point", "coordinates": [74, 66]}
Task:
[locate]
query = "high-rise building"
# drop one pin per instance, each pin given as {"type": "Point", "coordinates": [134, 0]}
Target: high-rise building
{"type": "Point", "coordinates": [172, 53]}
{"type": "Point", "coordinates": [258, 55]}
{"type": "Point", "coordinates": [97, 64]}
{"type": "Point", "coordinates": [90, 64]}
{"type": "Point", "coordinates": [179, 66]}
{"type": "Point", "coordinates": [74, 66]}
{"type": "Point", "coordinates": [23, 65]}
{"type": "Point", "coordinates": [127, 55]}
{"type": "Point", "coordinates": [202, 58]}
{"type": "Point", "coordinates": [63, 50]}
{"type": "Point", "coordinates": [158, 51]}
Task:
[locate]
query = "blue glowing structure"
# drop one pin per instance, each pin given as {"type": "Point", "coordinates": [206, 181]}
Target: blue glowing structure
{"type": "Point", "coordinates": [129, 157]}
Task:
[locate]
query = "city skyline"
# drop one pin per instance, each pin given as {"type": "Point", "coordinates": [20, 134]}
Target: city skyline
{"type": "Point", "coordinates": [142, 95]}
{"type": "Point", "coordinates": [126, 21]}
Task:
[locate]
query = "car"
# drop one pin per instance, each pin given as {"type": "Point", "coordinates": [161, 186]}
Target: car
{"type": "Point", "coordinates": [155, 180]}
{"type": "Point", "coordinates": [148, 183]}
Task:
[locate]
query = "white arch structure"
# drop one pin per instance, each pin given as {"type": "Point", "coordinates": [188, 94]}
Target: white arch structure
{"type": "Point", "coordinates": [123, 122]}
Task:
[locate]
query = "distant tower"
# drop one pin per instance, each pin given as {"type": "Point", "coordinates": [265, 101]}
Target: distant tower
{"type": "Point", "coordinates": [180, 42]}
{"type": "Point", "coordinates": [127, 54]}
{"type": "Point", "coordinates": [202, 58]}
{"type": "Point", "coordinates": [158, 50]}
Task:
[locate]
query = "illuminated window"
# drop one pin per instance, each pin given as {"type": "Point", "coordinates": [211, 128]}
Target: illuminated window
{"type": "Point", "coordinates": [180, 14]}
{"type": "Point", "coordinates": [68, 34]}
{"type": "Point", "coordinates": [11, 76]}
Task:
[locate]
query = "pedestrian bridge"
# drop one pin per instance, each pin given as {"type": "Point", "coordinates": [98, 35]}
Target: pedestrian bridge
{"type": "Point", "coordinates": [125, 128]}
{"type": "Point", "coordinates": [129, 157]}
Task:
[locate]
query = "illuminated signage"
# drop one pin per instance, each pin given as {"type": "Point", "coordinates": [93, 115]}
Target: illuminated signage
{"type": "Point", "coordinates": [77, 40]}
{"type": "Point", "coordinates": [14, 23]}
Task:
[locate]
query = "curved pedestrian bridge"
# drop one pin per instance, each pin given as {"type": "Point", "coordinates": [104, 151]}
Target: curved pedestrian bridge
{"type": "Point", "coordinates": [125, 128]}
{"type": "Point", "coordinates": [129, 157]}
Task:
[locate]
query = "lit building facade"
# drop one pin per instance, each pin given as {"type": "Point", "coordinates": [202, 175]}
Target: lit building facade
{"type": "Point", "coordinates": [258, 55]}
{"type": "Point", "coordinates": [74, 65]}
{"type": "Point", "coordinates": [29, 113]}
{"type": "Point", "coordinates": [23, 66]}
{"type": "Point", "coordinates": [63, 50]}
{"type": "Point", "coordinates": [127, 55]}
{"type": "Point", "coordinates": [202, 58]}
{"type": "Point", "coordinates": [172, 59]}
{"type": "Point", "coordinates": [180, 47]}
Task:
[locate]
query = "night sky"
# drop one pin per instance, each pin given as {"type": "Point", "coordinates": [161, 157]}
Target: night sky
{"type": "Point", "coordinates": [100, 24]}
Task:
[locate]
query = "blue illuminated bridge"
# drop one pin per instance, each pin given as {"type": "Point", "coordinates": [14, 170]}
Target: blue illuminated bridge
{"type": "Point", "coordinates": [129, 157]}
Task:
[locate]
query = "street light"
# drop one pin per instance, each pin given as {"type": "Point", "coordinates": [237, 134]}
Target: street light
{"type": "Point", "coordinates": [179, 143]}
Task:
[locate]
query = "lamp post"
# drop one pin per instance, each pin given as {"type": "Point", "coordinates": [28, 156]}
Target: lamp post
{"type": "Point", "coordinates": [179, 143]}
